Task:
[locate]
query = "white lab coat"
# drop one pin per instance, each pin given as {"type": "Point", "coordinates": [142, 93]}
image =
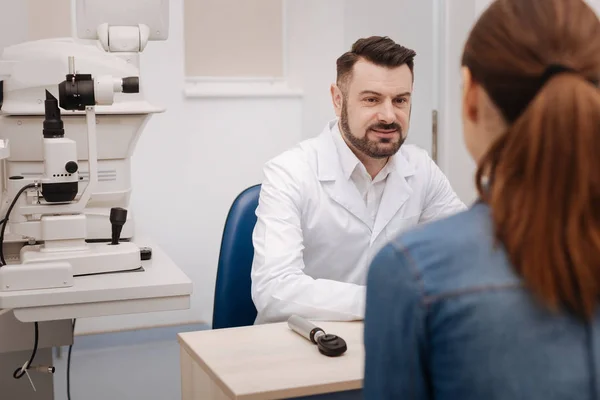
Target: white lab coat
{"type": "Point", "coordinates": [312, 242]}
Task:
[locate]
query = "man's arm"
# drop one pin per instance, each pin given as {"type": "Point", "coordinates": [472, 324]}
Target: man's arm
{"type": "Point", "coordinates": [280, 288]}
{"type": "Point", "coordinates": [440, 200]}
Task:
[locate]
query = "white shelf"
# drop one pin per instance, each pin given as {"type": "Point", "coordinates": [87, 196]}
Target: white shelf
{"type": "Point", "coordinates": [161, 286]}
{"type": "Point", "coordinates": [239, 88]}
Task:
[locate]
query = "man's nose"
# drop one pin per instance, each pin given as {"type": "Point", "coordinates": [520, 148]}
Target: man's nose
{"type": "Point", "coordinates": [386, 113]}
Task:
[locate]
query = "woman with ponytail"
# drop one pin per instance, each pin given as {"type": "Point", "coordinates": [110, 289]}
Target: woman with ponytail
{"type": "Point", "coordinates": [501, 301]}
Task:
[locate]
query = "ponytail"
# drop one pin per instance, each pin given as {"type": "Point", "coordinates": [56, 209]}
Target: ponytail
{"type": "Point", "coordinates": [544, 194]}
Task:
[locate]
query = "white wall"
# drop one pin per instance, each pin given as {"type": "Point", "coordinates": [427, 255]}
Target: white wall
{"type": "Point", "coordinates": [315, 30]}
{"type": "Point", "coordinates": [595, 4]}
{"type": "Point", "coordinates": [480, 6]}
{"type": "Point", "coordinates": [457, 19]}
{"type": "Point", "coordinates": [13, 22]}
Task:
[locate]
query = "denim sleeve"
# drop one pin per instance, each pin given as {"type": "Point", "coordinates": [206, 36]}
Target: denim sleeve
{"type": "Point", "coordinates": [394, 330]}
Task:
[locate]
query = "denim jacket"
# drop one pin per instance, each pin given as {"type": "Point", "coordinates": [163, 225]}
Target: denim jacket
{"type": "Point", "coordinates": [448, 318]}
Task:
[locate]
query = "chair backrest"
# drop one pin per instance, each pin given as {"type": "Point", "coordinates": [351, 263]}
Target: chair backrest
{"type": "Point", "coordinates": [233, 305]}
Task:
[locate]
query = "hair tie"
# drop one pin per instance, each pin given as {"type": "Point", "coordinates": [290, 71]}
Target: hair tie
{"type": "Point", "coordinates": [555, 69]}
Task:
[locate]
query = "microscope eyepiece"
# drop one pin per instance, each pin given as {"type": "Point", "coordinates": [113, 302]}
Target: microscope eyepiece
{"type": "Point", "coordinates": [131, 84]}
{"type": "Point", "coordinates": [53, 125]}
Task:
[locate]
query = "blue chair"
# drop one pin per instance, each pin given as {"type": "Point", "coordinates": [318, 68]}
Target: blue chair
{"type": "Point", "coordinates": [233, 305]}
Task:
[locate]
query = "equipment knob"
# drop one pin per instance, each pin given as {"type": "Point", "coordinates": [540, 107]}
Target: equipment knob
{"type": "Point", "coordinates": [71, 167]}
{"type": "Point", "coordinates": [118, 217]}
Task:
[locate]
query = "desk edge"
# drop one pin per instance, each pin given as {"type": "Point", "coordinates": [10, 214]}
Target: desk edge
{"type": "Point", "coordinates": [205, 367]}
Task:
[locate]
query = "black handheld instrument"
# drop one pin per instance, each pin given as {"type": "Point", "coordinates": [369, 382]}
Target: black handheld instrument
{"type": "Point", "coordinates": [328, 344]}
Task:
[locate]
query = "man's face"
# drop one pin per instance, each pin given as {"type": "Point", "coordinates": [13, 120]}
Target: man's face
{"type": "Point", "coordinates": [374, 108]}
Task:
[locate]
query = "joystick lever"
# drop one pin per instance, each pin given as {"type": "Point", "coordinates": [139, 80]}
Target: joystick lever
{"type": "Point", "coordinates": [118, 217]}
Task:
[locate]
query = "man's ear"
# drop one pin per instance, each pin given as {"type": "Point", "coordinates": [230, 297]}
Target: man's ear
{"type": "Point", "coordinates": [337, 99]}
{"type": "Point", "coordinates": [470, 96]}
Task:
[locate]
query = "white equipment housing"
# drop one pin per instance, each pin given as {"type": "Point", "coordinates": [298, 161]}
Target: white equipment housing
{"type": "Point", "coordinates": [65, 175]}
{"type": "Point", "coordinates": [86, 157]}
{"type": "Point", "coordinates": [29, 69]}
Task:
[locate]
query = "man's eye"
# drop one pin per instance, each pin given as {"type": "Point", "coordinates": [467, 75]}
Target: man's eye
{"type": "Point", "coordinates": [370, 99]}
{"type": "Point", "coordinates": [401, 100]}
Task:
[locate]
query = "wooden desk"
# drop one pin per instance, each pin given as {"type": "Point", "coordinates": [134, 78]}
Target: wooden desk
{"type": "Point", "coordinates": [264, 362]}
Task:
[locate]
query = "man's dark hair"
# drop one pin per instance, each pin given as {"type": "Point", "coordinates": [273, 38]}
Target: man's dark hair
{"type": "Point", "coordinates": [379, 50]}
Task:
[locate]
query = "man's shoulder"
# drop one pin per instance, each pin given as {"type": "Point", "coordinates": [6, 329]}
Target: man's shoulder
{"type": "Point", "coordinates": [414, 154]}
{"type": "Point", "coordinates": [414, 160]}
{"type": "Point", "coordinates": [300, 155]}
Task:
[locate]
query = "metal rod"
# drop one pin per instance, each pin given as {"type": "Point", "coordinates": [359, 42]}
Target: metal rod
{"type": "Point", "coordinates": [71, 65]}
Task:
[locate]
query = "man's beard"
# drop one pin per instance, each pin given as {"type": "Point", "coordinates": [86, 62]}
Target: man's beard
{"type": "Point", "coordinates": [367, 146]}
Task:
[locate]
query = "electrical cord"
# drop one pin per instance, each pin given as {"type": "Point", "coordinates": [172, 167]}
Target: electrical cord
{"type": "Point", "coordinates": [69, 364]}
{"type": "Point", "coordinates": [4, 222]}
{"type": "Point", "coordinates": [19, 372]}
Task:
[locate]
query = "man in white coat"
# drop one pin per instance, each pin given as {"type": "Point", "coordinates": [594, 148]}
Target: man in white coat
{"type": "Point", "coordinates": [327, 205]}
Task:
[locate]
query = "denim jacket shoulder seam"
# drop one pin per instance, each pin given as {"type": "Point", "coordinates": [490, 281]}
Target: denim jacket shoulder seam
{"type": "Point", "coordinates": [427, 300]}
{"type": "Point", "coordinates": [430, 300]}
{"type": "Point", "coordinates": [412, 266]}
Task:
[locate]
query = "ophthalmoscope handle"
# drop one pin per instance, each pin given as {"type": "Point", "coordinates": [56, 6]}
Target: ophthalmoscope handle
{"type": "Point", "coordinates": [304, 328]}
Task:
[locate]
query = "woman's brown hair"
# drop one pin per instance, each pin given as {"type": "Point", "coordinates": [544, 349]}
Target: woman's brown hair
{"type": "Point", "coordinates": [539, 61]}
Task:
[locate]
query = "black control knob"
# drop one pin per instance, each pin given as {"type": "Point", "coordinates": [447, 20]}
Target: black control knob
{"type": "Point", "coordinates": [118, 217]}
{"type": "Point", "coordinates": [71, 167]}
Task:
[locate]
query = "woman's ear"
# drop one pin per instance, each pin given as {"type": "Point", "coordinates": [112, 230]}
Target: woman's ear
{"type": "Point", "coordinates": [470, 92]}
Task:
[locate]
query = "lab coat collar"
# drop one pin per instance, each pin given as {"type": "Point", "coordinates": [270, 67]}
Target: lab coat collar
{"type": "Point", "coordinates": [344, 192]}
{"type": "Point", "coordinates": [330, 165]}
{"type": "Point", "coordinates": [348, 160]}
